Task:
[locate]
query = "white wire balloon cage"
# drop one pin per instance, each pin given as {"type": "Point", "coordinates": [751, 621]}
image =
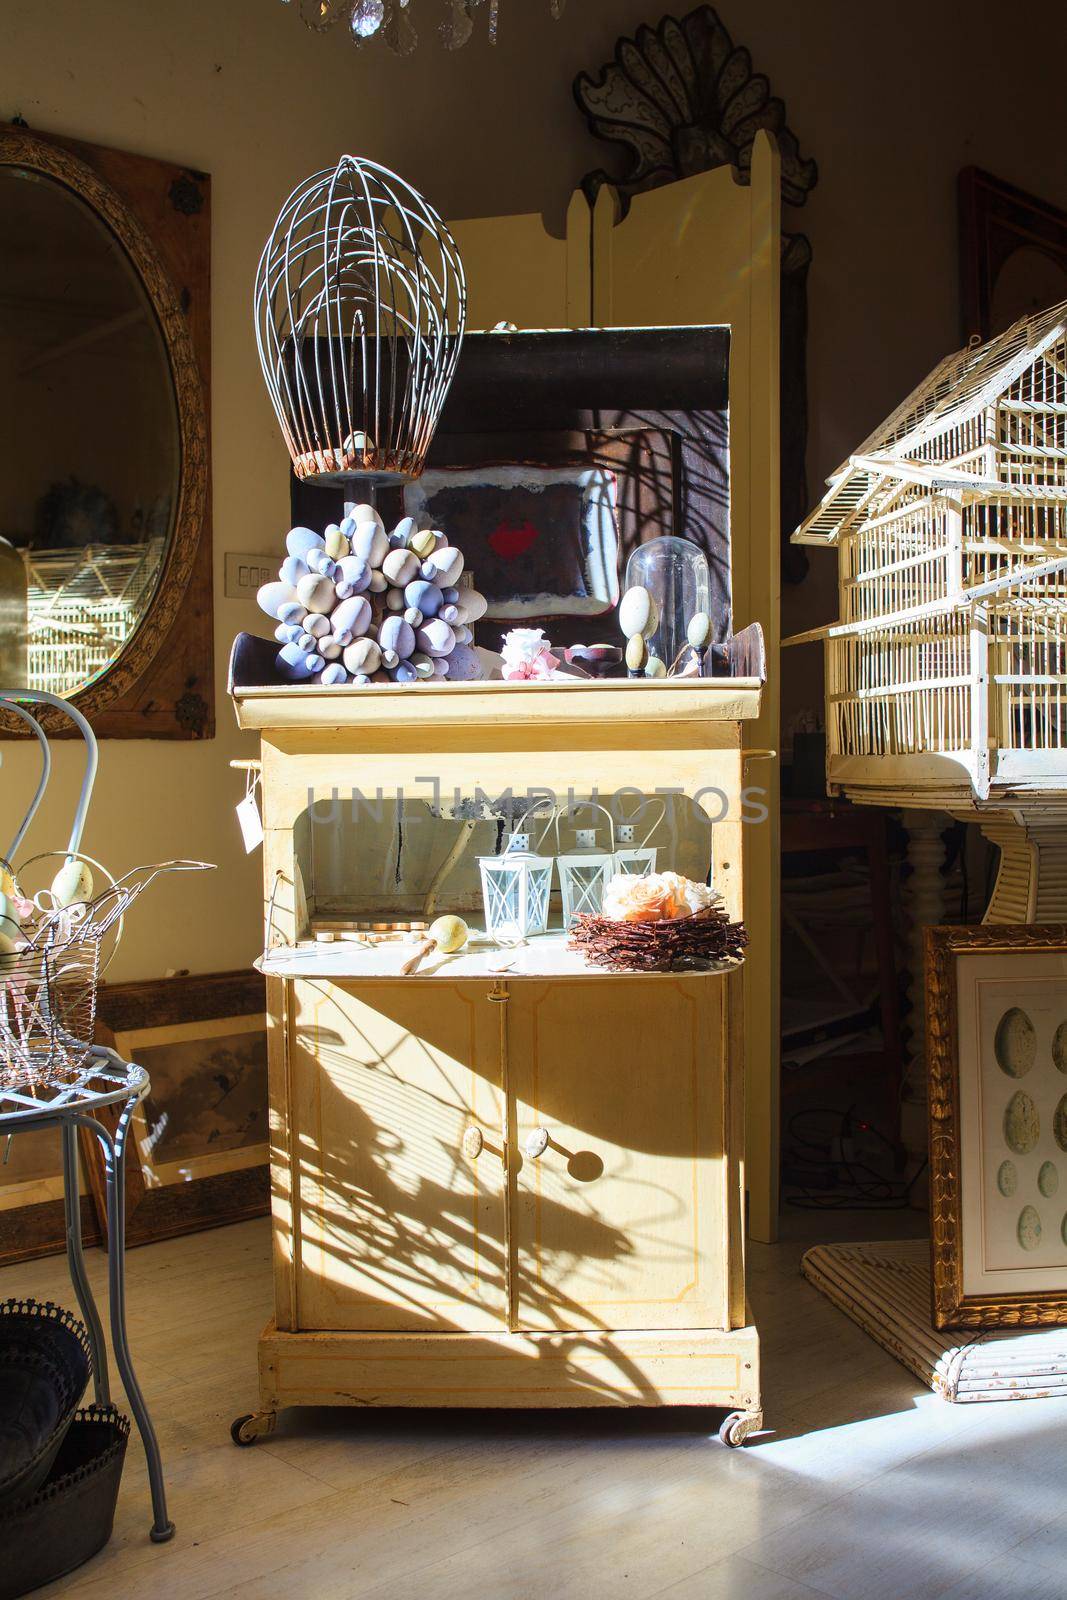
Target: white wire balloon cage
{"type": "Point", "coordinates": [55, 948]}
{"type": "Point", "coordinates": [360, 310]}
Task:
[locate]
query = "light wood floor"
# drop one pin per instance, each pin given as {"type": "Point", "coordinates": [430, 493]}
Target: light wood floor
{"type": "Point", "coordinates": [863, 1487]}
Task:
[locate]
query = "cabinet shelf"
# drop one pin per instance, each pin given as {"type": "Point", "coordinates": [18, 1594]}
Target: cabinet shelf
{"type": "Point", "coordinates": [570, 700]}
{"type": "Point", "coordinates": [545, 956]}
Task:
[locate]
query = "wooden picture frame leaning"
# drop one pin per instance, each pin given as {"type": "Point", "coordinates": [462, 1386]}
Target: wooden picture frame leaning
{"type": "Point", "coordinates": [997, 222]}
{"type": "Point", "coordinates": [175, 1181]}
{"type": "Point", "coordinates": [977, 1283]}
{"type": "Point", "coordinates": [32, 1215]}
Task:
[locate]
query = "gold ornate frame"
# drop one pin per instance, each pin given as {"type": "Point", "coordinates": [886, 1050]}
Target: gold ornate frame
{"type": "Point", "coordinates": [951, 1307]}
{"type": "Point", "coordinates": [135, 697]}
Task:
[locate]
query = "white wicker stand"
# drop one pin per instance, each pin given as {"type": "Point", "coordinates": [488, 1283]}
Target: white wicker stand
{"type": "Point", "coordinates": [885, 1289]}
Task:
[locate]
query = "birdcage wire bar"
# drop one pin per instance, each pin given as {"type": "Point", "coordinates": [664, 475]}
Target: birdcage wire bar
{"type": "Point", "coordinates": [360, 310]}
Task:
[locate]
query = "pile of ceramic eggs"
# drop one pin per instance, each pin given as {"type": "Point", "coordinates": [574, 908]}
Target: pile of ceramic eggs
{"type": "Point", "coordinates": [359, 605]}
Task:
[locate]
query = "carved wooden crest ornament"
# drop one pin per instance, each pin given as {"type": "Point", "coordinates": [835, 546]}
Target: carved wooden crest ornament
{"type": "Point", "coordinates": [684, 98]}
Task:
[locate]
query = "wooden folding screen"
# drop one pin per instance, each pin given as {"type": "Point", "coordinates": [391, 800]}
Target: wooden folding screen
{"type": "Point", "coordinates": [703, 250]}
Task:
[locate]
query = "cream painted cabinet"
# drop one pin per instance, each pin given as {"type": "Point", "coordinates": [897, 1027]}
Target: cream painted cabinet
{"type": "Point", "coordinates": [504, 1181]}
{"type": "Point", "coordinates": [589, 1137]}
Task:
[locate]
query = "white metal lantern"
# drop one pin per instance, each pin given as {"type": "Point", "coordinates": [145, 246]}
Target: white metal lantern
{"type": "Point", "coordinates": [515, 889]}
{"type": "Point", "coordinates": [637, 860]}
{"type": "Point", "coordinates": [585, 871]}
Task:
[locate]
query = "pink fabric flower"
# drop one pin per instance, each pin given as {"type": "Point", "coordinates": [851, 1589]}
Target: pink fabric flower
{"type": "Point", "coordinates": [527, 655]}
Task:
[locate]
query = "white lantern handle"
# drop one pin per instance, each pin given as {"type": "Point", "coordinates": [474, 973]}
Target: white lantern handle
{"type": "Point", "coordinates": [659, 818]}
{"type": "Point", "coordinates": [584, 805]}
{"type": "Point", "coordinates": [542, 800]}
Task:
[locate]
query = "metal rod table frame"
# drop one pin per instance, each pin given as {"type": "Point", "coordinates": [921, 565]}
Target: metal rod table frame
{"type": "Point", "coordinates": [106, 1081]}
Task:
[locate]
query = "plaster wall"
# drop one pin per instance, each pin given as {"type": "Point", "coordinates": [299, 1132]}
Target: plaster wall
{"type": "Point", "coordinates": [242, 91]}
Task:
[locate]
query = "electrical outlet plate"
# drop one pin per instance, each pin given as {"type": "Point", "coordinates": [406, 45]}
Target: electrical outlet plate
{"type": "Point", "coordinates": [246, 574]}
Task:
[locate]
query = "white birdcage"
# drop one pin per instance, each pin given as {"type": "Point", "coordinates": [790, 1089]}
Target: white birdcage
{"type": "Point", "coordinates": [946, 677]}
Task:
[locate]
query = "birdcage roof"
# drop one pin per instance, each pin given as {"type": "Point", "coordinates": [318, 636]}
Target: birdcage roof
{"type": "Point", "coordinates": [959, 388]}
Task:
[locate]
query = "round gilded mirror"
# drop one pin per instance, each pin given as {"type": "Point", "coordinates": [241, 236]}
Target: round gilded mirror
{"type": "Point", "coordinates": [89, 433]}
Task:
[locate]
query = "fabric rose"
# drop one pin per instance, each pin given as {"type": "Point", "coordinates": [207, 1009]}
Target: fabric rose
{"type": "Point", "coordinates": [648, 899]}
{"type": "Point", "coordinates": [694, 896]}
{"type": "Point", "coordinates": [527, 655]}
{"type": "Point", "coordinates": [657, 897]}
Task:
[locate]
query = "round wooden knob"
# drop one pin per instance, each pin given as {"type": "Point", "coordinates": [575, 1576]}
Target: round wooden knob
{"type": "Point", "coordinates": [473, 1143]}
{"type": "Point", "coordinates": [536, 1143]}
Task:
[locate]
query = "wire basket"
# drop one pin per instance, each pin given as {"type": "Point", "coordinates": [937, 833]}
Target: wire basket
{"type": "Point", "coordinates": [48, 988]}
{"type": "Point", "coordinates": [47, 1012]}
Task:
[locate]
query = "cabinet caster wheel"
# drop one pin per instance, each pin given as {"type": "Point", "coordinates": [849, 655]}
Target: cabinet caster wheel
{"type": "Point", "coordinates": [256, 1425]}
{"type": "Point", "coordinates": [738, 1425]}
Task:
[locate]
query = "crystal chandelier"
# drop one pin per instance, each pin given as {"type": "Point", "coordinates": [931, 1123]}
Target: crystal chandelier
{"type": "Point", "coordinates": [394, 20]}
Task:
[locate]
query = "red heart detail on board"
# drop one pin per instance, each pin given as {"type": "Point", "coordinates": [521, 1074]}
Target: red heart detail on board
{"type": "Point", "coordinates": [511, 540]}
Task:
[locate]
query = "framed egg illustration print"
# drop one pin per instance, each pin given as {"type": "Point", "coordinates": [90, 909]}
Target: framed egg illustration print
{"type": "Point", "coordinates": [997, 1063]}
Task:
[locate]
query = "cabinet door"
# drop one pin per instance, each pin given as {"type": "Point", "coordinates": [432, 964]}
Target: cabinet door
{"type": "Point", "coordinates": [397, 1227]}
{"type": "Point", "coordinates": [623, 1221]}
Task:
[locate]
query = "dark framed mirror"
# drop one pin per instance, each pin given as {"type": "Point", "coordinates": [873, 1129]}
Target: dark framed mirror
{"type": "Point", "coordinates": [105, 534]}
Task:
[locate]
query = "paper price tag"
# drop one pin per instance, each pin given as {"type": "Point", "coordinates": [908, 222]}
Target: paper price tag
{"type": "Point", "coordinates": [250, 822]}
